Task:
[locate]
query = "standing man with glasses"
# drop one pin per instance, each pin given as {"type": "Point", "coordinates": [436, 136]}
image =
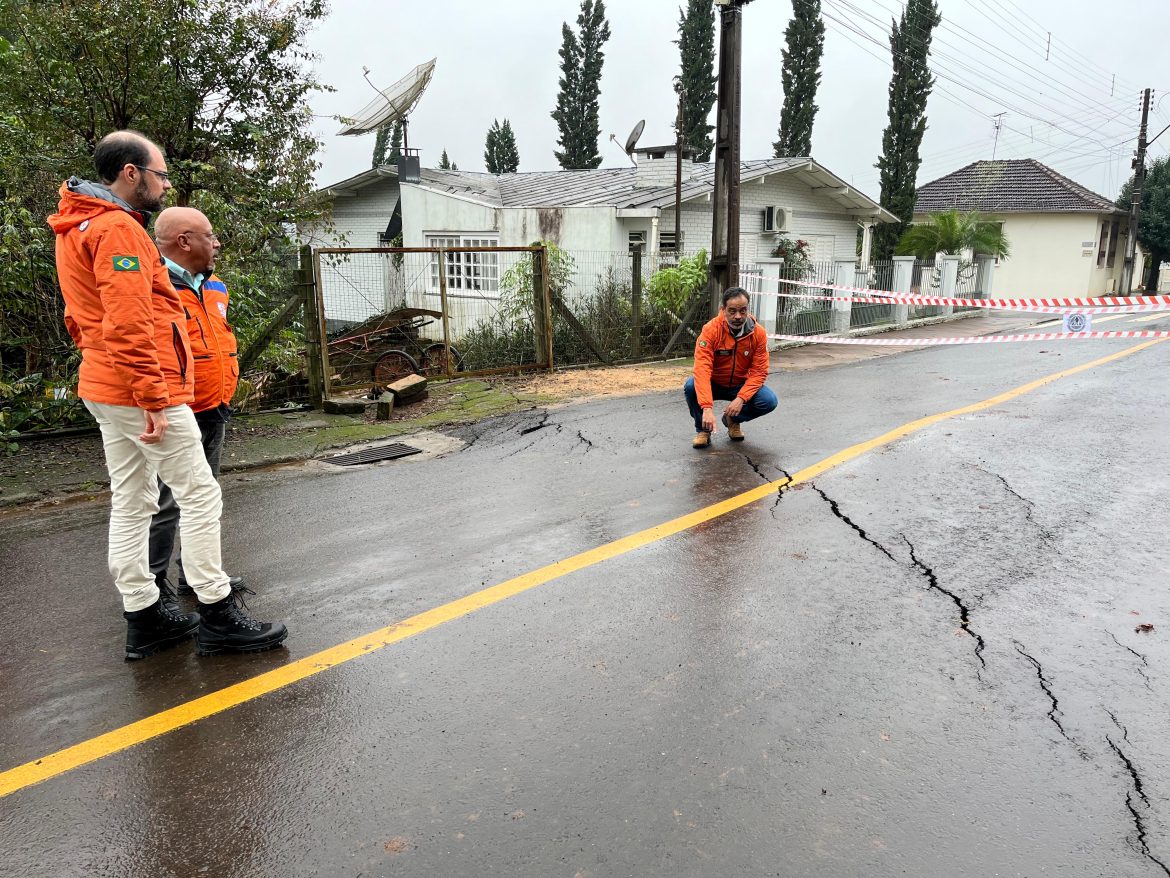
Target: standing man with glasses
{"type": "Point", "coordinates": [189, 248]}
{"type": "Point", "coordinates": [136, 380]}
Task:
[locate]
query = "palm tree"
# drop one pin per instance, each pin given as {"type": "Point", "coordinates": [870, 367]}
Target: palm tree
{"type": "Point", "coordinates": [954, 232]}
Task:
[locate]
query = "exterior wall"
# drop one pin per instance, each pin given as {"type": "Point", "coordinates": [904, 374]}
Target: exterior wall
{"type": "Point", "coordinates": [358, 218]}
{"type": "Point", "coordinates": [1048, 256]}
{"type": "Point", "coordinates": [828, 227]}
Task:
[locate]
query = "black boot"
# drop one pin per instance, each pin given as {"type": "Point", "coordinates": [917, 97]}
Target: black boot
{"type": "Point", "coordinates": [166, 594]}
{"type": "Point", "coordinates": [184, 589]}
{"type": "Point", "coordinates": [156, 628]}
{"type": "Point", "coordinates": [225, 626]}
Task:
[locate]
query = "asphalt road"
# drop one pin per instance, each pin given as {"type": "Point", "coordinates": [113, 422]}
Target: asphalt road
{"type": "Point", "coordinates": [921, 661]}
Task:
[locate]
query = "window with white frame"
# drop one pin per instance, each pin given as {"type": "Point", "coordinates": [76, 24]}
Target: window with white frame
{"type": "Point", "coordinates": [467, 272]}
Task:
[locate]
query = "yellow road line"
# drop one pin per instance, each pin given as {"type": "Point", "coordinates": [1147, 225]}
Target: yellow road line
{"type": "Point", "coordinates": [200, 708]}
{"type": "Point", "coordinates": [1107, 318]}
{"type": "Point", "coordinates": [1150, 317]}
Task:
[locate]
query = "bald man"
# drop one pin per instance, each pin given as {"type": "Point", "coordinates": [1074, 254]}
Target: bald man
{"type": "Point", "coordinates": [189, 248]}
{"type": "Point", "coordinates": [127, 320]}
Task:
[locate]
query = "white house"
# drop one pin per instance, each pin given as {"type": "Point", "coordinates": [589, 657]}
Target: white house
{"type": "Point", "coordinates": [1065, 240]}
{"type": "Point", "coordinates": [607, 210]}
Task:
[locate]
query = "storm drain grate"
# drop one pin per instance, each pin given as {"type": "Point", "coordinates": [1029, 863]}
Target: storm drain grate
{"type": "Point", "coordinates": [373, 455]}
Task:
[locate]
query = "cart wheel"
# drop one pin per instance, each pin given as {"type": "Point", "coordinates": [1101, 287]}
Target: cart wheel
{"type": "Point", "coordinates": [392, 366]}
{"type": "Point", "coordinates": [434, 360]}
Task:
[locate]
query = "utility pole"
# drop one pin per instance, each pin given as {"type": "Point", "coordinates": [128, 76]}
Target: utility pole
{"type": "Point", "coordinates": [678, 152]}
{"type": "Point", "coordinates": [725, 201]}
{"type": "Point", "coordinates": [1135, 204]}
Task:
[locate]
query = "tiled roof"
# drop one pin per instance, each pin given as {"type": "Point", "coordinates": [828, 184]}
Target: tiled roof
{"type": "Point", "coordinates": [1009, 186]}
{"type": "Point", "coordinates": [601, 187]}
{"type": "Point", "coordinates": [613, 187]}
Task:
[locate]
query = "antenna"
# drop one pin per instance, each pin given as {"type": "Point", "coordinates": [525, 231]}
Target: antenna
{"type": "Point", "coordinates": [632, 140]}
{"type": "Point", "coordinates": [393, 104]}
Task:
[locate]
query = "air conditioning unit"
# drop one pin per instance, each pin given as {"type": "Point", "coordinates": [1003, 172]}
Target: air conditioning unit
{"type": "Point", "coordinates": [776, 219]}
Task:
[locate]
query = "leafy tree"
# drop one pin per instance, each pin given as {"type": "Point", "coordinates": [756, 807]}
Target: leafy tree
{"type": "Point", "coordinates": [670, 289]}
{"type": "Point", "coordinates": [910, 86]}
{"type": "Point", "coordinates": [696, 49]}
{"type": "Point", "coordinates": [387, 145]}
{"type": "Point", "coordinates": [577, 113]}
{"type": "Point", "coordinates": [220, 85]}
{"type": "Point", "coordinates": [500, 153]}
{"type": "Point", "coordinates": [954, 232]}
{"type": "Point", "coordinates": [801, 75]}
{"type": "Point", "coordinates": [1154, 225]}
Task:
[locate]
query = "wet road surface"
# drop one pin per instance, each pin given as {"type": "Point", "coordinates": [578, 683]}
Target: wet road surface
{"type": "Point", "coordinates": [923, 661]}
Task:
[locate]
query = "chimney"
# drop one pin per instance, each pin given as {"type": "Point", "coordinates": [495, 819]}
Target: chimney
{"type": "Point", "coordinates": [656, 166]}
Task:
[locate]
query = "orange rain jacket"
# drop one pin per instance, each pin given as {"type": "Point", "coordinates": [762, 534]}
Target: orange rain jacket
{"type": "Point", "coordinates": [213, 345]}
{"type": "Point", "coordinates": [722, 359]}
{"type": "Point", "coordinates": [120, 306]}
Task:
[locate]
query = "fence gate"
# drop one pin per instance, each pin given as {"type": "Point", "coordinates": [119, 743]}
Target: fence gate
{"type": "Point", "coordinates": [385, 312]}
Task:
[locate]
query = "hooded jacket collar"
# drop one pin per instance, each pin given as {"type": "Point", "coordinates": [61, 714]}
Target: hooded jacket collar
{"type": "Point", "coordinates": [82, 200]}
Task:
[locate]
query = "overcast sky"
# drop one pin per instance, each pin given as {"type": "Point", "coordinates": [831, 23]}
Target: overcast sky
{"type": "Point", "coordinates": [499, 60]}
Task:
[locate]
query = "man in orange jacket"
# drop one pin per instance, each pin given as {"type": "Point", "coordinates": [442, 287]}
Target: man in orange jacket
{"type": "Point", "coordinates": [189, 248]}
{"type": "Point", "coordinates": [731, 362]}
{"type": "Point", "coordinates": [136, 380]}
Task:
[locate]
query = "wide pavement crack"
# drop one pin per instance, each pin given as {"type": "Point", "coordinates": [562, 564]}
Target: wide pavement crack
{"type": "Point", "coordinates": [779, 491]}
{"type": "Point", "coordinates": [964, 613]}
{"type": "Point", "coordinates": [858, 528]}
{"type": "Point", "coordinates": [1046, 685]}
{"type": "Point", "coordinates": [1138, 821]}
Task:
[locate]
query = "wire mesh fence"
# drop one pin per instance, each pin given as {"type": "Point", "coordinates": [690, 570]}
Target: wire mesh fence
{"type": "Point", "coordinates": [390, 312]}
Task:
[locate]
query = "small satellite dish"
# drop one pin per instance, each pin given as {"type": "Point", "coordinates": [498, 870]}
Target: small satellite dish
{"type": "Point", "coordinates": [632, 140]}
{"type": "Point", "coordinates": [393, 103]}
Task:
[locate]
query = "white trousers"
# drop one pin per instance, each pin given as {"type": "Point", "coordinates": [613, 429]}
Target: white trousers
{"type": "Point", "coordinates": [134, 469]}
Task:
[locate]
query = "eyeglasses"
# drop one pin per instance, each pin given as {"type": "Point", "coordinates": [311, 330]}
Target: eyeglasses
{"type": "Point", "coordinates": [166, 178]}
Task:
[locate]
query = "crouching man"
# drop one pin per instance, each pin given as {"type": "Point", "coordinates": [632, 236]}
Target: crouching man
{"type": "Point", "coordinates": [731, 363]}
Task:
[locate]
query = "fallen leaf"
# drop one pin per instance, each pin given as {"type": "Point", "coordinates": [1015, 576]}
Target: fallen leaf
{"type": "Point", "coordinates": [396, 845]}
{"type": "Point", "coordinates": [1144, 628]}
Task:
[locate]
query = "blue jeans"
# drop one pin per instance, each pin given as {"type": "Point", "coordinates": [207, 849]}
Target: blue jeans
{"type": "Point", "coordinates": [760, 404]}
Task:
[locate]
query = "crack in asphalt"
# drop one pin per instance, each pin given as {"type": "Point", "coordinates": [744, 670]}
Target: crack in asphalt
{"type": "Point", "coordinates": [779, 491]}
{"type": "Point", "coordinates": [543, 423]}
{"type": "Point", "coordinates": [1030, 505]}
{"type": "Point", "coordinates": [1145, 661]}
{"type": "Point", "coordinates": [1138, 822]}
{"type": "Point", "coordinates": [1117, 722]}
{"type": "Point", "coordinates": [589, 446]}
{"type": "Point", "coordinates": [1046, 685]}
{"type": "Point", "coordinates": [849, 521]}
{"type": "Point", "coordinates": [964, 614]}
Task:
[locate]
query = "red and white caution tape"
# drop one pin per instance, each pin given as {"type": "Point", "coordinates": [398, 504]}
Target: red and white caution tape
{"type": "Point", "coordinates": [1151, 303]}
{"type": "Point", "coordinates": [992, 304]}
{"type": "Point", "coordinates": [974, 339]}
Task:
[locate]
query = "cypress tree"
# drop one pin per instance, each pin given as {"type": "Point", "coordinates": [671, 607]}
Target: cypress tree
{"type": "Point", "coordinates": [445, 163]}
{"type": "Point", "coordinates": [500, 153]}
{"type": "Point", "coordinates": [800, 73]}
{"type": "Point", "coordinates": [509, 154]}
{"type": "Point", "coordinates": [387, 145]}
{"type": "Point", "coordinates": [696, 49]}
{"type": "Point", "coordinates": [576, 113]}
{"type": "Point", "coordinates": [910, 87]}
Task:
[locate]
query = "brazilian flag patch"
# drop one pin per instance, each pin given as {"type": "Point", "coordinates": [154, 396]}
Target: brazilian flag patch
{"type": "Point", "coordinates": [125, 263]}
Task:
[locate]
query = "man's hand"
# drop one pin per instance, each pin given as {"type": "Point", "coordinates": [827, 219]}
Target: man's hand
{"type": "Point", "coordinates": [709, 420]}
{"type": "Point", "coordinates": [734, 407]}
{"type": "Point", "coordinates": [156, 426]}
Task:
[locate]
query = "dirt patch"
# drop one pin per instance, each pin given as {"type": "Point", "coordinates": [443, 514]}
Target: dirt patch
{"type": "Point", "coordinates": [608, 381]}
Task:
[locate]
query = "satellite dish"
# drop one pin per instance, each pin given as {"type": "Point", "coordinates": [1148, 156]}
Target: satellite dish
{"type": "Point", "coordinates": [392, 104]}
{"type": "Point", "coordinates": [632, 140]}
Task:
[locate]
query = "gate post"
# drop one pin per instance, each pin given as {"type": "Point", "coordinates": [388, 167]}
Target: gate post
{"type": "Point", "coordinates": [316, 351]}
{"type": "Point", "coordinates": [636, 298]}
{"type": "Point", "coordinates": [950, 282]}
{"type": "Point", "coordinates": [844, 275]}
{"type": "Point", "coordinates": [903, 278]}
{"type": "Point", "coordinates": [441, 255]}
{"type": "Point", "coordinates": [542, 330]}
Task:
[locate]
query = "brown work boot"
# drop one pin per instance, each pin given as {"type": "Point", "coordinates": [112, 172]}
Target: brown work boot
{"type": "Point", "coordinates": [734, 430]}
{"type": "Point", "coordinates": [702, 439]}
